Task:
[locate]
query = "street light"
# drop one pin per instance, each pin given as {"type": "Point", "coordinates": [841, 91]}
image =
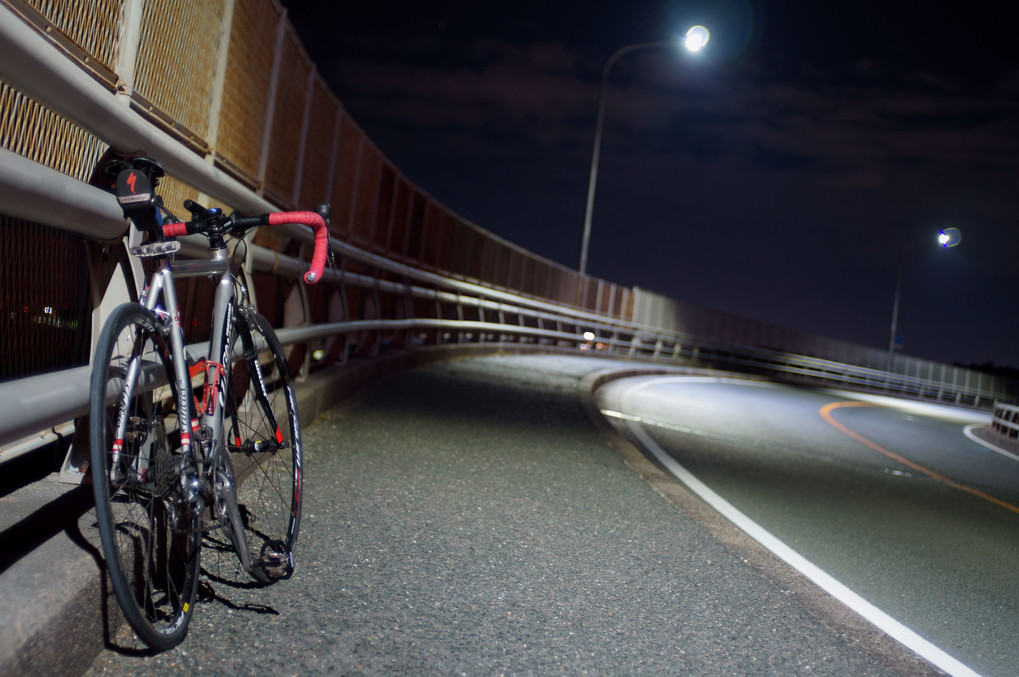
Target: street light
{"type": "Point", "coordinates": [949, 237]}
{"type": "Point", "coordinates": [694, 40]}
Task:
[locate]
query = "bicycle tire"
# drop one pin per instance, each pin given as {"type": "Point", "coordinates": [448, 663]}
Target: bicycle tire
{"type": "Point", "coordinates": [264, 441]}
{"type": "Point", "coordinates": [150, 542]}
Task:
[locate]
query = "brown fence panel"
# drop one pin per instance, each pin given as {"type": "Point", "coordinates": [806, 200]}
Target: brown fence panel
{"type": "Point", "coordinates": [416, 225]}
{"type": "Point", "coordinates": [555, 282]}
{"type": "Point", "coordinates": [399, 222]}
{"type": "Point", "coordinates": [526, 274]}
{"type": "Point", "coordinates": [606, 296]}
{"type": "Point", "coordinates": [367, 194]}
{"type": "Point", "coordinates": [590, 301]}
{"type": "Point", "coordinates": [39, 134]}
{"type": "Point", "coordinates": [462, 244]}
{"type": "Point", "coordinates": [248, 73]}
{"type": "Point", "coordinates": [431, 224]}
{"type": "Point", "coordinates": [45, 309]}
{"type": "Point", "coordinates": [515, 269]}
{"type": "Point", "coordinates": [318, 146]}
{"type": "Point", "coordinates": [382, 221]}
{"type": "Point", "coordinates": [567, 292]}
{"type": "Point", "coordinates": [497, 263]}
{"type": "Point", "coordinates": [345, 170]}
{"type": "Point", "coordinates": [447, 234]}
{"type": "Point", "coordinates": [93, 26]}
{"type": "Point", "coordinates": [541, 282]}
{"type": "Point", "coordinates": [174, 192]}
{"type": "Point", "coordinates": [509, 254]}
{"type": "Point", "coordinates": [475, 264]}
{"type": "Point", "coordinates": [489, 262]}
{"type": "Point", "coordinates": [318, 303]}
{"type": "Point", "coordinates": [271, 295]}
{"type": "Point", "coordinates": [176, 67]}
{"type": "Point", "coordinates": [287, 121]}
{"type": "Point", "coordinates": [625, 309]}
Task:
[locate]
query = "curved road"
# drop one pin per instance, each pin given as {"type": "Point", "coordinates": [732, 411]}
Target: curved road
{"type": "Point", "coordinates": [896, 500]}
{"type": "Point", "coordinates": [467, 518]}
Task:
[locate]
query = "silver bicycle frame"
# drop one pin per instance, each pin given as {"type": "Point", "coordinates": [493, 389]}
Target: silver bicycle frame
{"type": "Point", "coordinates": [161, 287]}
{"type": "Point", "coordinates": [210, 420]}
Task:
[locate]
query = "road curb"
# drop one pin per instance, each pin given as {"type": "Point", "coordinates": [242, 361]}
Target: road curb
{"type": "Point", "coordinates": [56, 609]}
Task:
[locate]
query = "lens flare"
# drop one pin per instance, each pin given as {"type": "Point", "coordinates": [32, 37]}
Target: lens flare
{"type": "Point", "coordinates": [696, 38]}
{"type": "Point", "coordinates": [949, 237]}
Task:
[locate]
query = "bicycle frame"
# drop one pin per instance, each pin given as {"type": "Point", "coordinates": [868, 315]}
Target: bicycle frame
{"type": "Point", "coordinates": [166, 488]}
{"type": "Point", "coordinates": [205, 419]}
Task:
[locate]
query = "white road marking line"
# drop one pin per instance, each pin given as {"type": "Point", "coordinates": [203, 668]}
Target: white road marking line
{"type": "Point", "coordinates": [871, 613]}
{"type": "Point", "coordinates": [825, 581]}
{"type": "Point", "coordinates": [968, 432]}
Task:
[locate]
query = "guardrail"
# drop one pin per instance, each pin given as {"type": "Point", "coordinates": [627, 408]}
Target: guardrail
{"type": "Point", "coordinates": [1005, 421]}
{"type": "Point", "coordinates": [441, 310]}
{"type": "Point", "coordinates": [411, 273]}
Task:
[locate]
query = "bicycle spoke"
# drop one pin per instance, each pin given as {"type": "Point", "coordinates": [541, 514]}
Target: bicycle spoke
{"type": "Point", "coordinates": [266, 450]}
{"type": "Point", "coordinates": [150, 546]}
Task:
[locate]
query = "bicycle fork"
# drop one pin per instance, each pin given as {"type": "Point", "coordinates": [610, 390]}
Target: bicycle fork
{"type": "Point", "coordinates": [223, 485]}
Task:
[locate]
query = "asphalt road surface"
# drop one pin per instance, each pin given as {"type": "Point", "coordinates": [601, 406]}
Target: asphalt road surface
{"type": "Point", "coordinates": [468, 518]}
{"type": "Point", "coordinates": [891, 498]}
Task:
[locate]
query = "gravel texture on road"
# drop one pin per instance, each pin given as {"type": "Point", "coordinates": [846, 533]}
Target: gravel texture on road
{"type": "Point", "coordinates": [467, 518]}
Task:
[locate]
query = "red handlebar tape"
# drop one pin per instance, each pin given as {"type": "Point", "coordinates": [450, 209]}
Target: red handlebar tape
{"type": "Point", "coordinates": [175, 229]}
{"type": "Point", "coordinates": [317, 223]}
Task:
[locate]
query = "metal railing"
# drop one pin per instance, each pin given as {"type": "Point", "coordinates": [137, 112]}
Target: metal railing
{"type": "Point", "coordinates": [1005, 421]}
{"type": "Point", "coordinates": [411, 273]}
{"type": "Point", "coordinates": [438, 309]}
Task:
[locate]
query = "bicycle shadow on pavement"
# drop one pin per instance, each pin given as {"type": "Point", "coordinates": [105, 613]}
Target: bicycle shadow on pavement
{"type": "Point", "coordinates": [220, 567]}
{"type": "Point", "coordinates": [117, 635]}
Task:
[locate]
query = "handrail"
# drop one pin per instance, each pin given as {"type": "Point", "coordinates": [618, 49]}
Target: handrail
{"type": "Point", "coordinates": [1005, 421]}
{"type": "Point", "coordinates": [433, 299]}
{"type": "Point", "coordinates": [31, 191]}
{"type": "Point", "coordinates": [49, 400]}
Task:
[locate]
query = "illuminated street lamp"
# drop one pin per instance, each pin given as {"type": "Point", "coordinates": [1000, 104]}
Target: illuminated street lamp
{"type": "Point", "coordinates": [949, 237]}
{"type": "Point", "coordinates": [694, 41]}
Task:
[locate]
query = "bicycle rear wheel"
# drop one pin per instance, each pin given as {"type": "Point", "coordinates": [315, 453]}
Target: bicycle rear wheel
{"type": "Point", "coordinates": [264, 438]}
{"type": "Point", "coordinates": [151, 542]}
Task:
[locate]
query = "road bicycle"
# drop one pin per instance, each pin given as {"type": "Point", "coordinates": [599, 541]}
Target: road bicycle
{"type": "Point", "coordinates": [184, 448]}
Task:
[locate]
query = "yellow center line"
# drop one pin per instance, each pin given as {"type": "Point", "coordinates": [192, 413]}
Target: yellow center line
{"type": "Point", "coordinates": [826, 414]}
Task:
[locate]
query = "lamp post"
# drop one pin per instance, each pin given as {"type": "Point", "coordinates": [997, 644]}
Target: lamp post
{"type": "Point", "coordinates": [949, 237]}
{"type": "Point", "coordinates": [694, 41]}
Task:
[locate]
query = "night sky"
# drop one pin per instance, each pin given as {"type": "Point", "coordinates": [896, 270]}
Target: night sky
{"type": "Point", "coordinates": [776, 175]}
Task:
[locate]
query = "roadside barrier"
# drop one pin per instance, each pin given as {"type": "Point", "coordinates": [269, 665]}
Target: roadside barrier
{"type": "Point", "coordinates": [256, 129]}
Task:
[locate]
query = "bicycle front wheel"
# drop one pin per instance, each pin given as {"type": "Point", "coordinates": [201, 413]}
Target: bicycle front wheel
{"type": "Point", "coordinates": [264, 438]}
{"type": "Point", "coordinates": [150, 540]}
